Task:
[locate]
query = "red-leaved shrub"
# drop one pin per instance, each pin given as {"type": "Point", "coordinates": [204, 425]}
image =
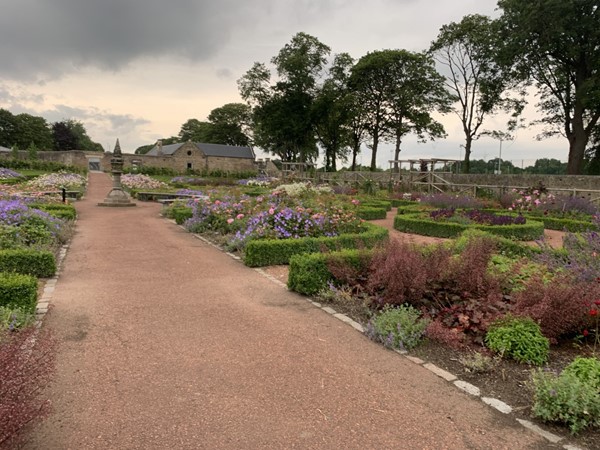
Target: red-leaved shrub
{"type": "Point", "coordinates": [400, 273]}
{"type": "Point", "coordinates": [26, 366]}
{"type": "Point", "coordinates": [560, 306]}
{"type": "Point", "coordinates": [453, 338]}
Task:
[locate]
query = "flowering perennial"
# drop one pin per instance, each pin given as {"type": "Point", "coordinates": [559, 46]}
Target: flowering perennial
{"type": "Point", "coordinates": [8, 173]}
{"type": "Point", "coordinates": [140, 181]}
{"type": "Point", "coordinates": [52, 181]}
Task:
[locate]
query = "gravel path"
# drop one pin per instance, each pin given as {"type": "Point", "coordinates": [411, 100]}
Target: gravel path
{"type": "Point", "coordinates": [166, 342]}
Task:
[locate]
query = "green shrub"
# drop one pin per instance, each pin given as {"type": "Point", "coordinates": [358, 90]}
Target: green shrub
{"type": "Point", "coordinates": [41, 264]}
{"type": "Point", "coordinates": [518, 338]}
{"type": "Point", "coordinates": [269, 252]}
{"type": "Point", "coordinates": [586, 370]}
{"type": "Point", "coordinates": [13, 318]}
{"type": "Point", "coordinates": [401, 328]}
{"type": "Point", "coordinates": [396, 202]}
{"type": "Point", "coordinates": [309, 272]}
{"type": "Point", "coordinates": [566, 399]}
{"type": "Point", "coordinates": [376, 203]}
{"type": "Point", "coordinates": [18, 291]}
{"type": "Point", "coordinates": [59, 210]}
{"type": "Point", "coordinates": [415, 223]}
{"type": "Point", "coordinates": [181, 214]}
{"type": "Point", "coordinates": [371, 212]}
{"type": "Point", "coordinates": [505, 246]}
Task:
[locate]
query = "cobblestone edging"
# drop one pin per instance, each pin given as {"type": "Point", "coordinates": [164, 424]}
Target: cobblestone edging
{"type": "Point", "coordinates": [468, 388]}
{"type": "Point", "coordinates": [44, 300]}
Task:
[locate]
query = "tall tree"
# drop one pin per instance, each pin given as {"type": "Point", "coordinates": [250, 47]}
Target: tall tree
{"type": "Point", "coordinates": [331, 112]}
{"type": "Point", "coordinates": [370, 83]}
{"type": "Point", "coordinates": [555, 43]}
{"type": "Point", "coordinates": [230, 124]}
{"type": "Point", "coordinates": [72, 135]}
{"type": "Point", "coordinates": [418, 91]}
{"type": "Point", "coordinates": [397, 91]}
{"type": "Point", "coordinates": [195, 131]}
{"type": "Point", "coordinates": [465, 52]}
{"type": "Point", "coordinates": [282, 111]}
{"type": "Point", "coordinates": [30, 129]}
{"type": "Point", "coordinates": [7, 128]}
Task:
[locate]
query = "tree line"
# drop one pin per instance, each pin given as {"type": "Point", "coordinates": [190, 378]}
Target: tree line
{"type": "Point", "coordinates": [25, 131]}
{"type": "Point", "coordinates": [308, 100]}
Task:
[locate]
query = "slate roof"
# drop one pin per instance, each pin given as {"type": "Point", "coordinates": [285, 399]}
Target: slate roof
{"type": "Point", "coordinates": [227, 151]}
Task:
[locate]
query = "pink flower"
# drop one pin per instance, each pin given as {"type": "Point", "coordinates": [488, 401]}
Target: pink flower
{"type": "Point", "coordinates": [240, 216]}
{"type": "Point", "coordinates": [229, 221]}
{"type": "Point", "coordinates": [217, 202]}
{"type": "Point", "coordinates": [355, 202]}
{"type": "Point", "coordinates": [536, 202]}
{"type": "Point", "coordinates": [271, 211]}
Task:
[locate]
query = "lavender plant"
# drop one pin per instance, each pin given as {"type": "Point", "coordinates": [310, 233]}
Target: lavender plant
{"type": "Point", "coordinates": [448, 201]}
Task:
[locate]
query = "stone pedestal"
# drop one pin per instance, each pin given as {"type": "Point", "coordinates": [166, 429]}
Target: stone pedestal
{"type": "Point", "coordinates": [117, 196]}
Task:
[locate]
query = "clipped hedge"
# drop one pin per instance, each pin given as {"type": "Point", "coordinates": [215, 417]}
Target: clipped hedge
{"type": "Point", "coordinates": [397, 202]}
{"type": "Point", "coordinates": [505, 246]}
{"type": "Point", "coordinates": [374, 203]}
{"type": "Point", "coordinates": [18, 291]}
{"type": "Point", "coordinates": [270, 252]}
{"type": "Point", "coordinates": [40, 264]}
{"type": "Point", "coordinates": [59, 210]}
{"type": "Point", "coordinates": [415, 223]}
{"type": "Point", "coordinates": [554, 223]}
{"type": "Point", "coordinates": [371, 213]}
{"type": "Point", "coordinates": [309, 272]}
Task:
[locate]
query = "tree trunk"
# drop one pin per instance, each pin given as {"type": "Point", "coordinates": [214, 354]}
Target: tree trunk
{"type": "Point", "coordinates": [467, 162]}
{"type": "Point", "coordinates": [374, 151]}
{"type": "Point", "coordinates": [578, 140]}
{"type": "Point", "coordinates": [397, 153]}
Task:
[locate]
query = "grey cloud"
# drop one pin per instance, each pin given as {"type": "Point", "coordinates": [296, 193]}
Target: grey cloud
{"type": "Point", "coordinates": [52, 37]}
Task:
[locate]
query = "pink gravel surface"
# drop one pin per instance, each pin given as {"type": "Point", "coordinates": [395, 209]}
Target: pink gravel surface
{"type": "Point", "coordinates": [166, 342]}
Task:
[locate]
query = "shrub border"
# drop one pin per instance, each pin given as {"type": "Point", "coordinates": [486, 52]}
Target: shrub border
{"type": "Point", "coordinates": [271, 252]}
{"type": "Point", "coordinates": [413, 223]}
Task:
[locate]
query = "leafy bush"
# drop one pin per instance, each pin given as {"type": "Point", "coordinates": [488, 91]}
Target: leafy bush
{"type": "Point", "coordinates": [268, 252]}
{"type": "Point", "coordinates": [518, 338]}
{"type": "Point", "coordinates": [18, 291]}
{"type": "Point", "coordinates": [438, 332]}
{"type": "Point", "coordinates": [41, 264]}
{"type": "Point", "coordinates": [566, 399]}
{"type": "Point", "coordinates": [415, 223]}
{"type": "Point", "coordinates": [586, 370]}
{"type": "Point", "coordinates": [141, 181]}
{"type": "Point", "coordinates": [58, 210]}
{"type": "Point", "coordinates": [559, 305]}
{"type": "Point", "coordinates": [371, 213]}
{"type": "Point", "coordinates": [578, 256]}
{"type": "Point", "coordinates": [27, 362]}
{"type": "Point", "coordinates": [13, 318]}
{"type": "Point", "coordinates": [401, 327]}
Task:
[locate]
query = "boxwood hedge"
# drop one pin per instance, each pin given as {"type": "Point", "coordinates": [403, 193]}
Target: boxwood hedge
{"type": "Point", "coordinates": [18, 291]}
{"type": "Point", "coordinates": [371, 212]}
{"type": "Point", "coordinates": [269, 252]}
{"type": "Point", "coordinates": [309, 272]}
{"type": "Point", "coordinates": [41, 264]}
{"type": "Point", "coordinates": [416, 223]}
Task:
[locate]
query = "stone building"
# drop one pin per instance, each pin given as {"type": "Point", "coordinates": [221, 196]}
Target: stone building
{"type": "Point", "coordinates": [201, 156]}
{"type": "Point", "coordinates": [178, 157]}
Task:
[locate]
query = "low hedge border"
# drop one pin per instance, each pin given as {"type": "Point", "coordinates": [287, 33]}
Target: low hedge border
{"type": "Point", "coordinates": [309, 272]}
{"type": "Point", "coordinates": [40, 264]}
{"type": "Point", "coordinates": [414, 223]}
{"type": "Point", "coordinates": [397, 202]}
{"type": "Point", "coordinates": [373, 203]}
{"type": "Point", "coordinates": [270, 252]}
{"type": "Point", "coordinates": [18, 291]}
{"type": "Point", "coordinates": [371, 212]}
{"type": "Point", "coordinates": [60, 211]}
{"type": "Point", "coordinates": [553, 223]}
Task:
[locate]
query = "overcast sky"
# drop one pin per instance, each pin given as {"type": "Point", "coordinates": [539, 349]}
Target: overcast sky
{"type": "Point", "coordinates": [138, 69]}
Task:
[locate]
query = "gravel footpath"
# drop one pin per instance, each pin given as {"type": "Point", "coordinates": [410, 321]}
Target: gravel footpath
{"type": "Point", "coordinates": [166, 342]}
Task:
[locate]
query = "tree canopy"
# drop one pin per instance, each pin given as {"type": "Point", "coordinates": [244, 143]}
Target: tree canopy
{"type": "Point", "coordinates": [555, 45]}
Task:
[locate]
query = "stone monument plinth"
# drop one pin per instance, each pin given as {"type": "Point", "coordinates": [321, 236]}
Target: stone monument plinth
{"type": "Point", "coordinates": [117, 196]}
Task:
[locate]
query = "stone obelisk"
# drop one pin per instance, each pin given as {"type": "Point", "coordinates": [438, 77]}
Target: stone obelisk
{"type": "Point", "coordinates": [117, 196]}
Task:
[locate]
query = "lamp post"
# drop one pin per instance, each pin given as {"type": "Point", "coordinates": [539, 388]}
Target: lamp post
{"type": "Point", "coordinates": [500, 158]}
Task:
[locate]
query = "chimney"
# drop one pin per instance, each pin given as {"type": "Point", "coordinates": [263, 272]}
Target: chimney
{"type": "Point", "coordinates": [159, 148]}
